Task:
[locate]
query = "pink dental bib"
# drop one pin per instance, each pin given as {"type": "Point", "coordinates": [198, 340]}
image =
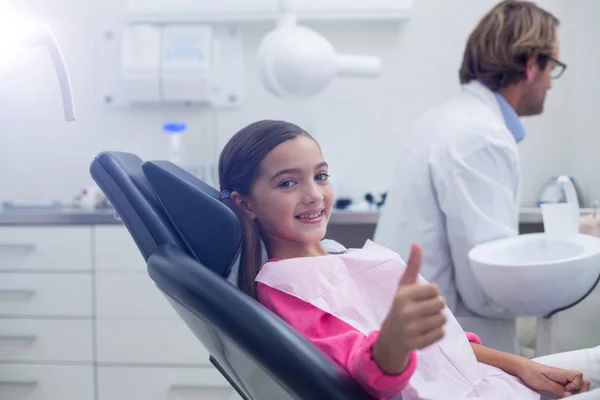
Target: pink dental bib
{"type": "Point", "coordinates": [358, 287]}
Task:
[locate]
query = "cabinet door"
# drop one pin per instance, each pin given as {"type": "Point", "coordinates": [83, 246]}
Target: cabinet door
{"type": "Point", "coordinates": [45, 340]}
{"type": "Point", "coordinates": [134, 322]}
{"type": "Point", "coordinates": [585, 317]}
{"type": "Point", "coordinates": [357, 7]}
{"type": "Point", "coordinates": [148, 341]}
{"type": "Point", "coordinates": [116, 251]}
{"type": "Point", "coordinates": [221, 7]}
{"type": "Point", "coordinates": [37, 382]}
{"type": "Point", "coordinates": [130, 295]}
{"type": "Point", "coordinates": [56, 295]}
{"type": "Point", "coordinates": [46, 248]}
{"type": "Point", "coordinates": [116, 383]}
{"type": "Point", "coordinates": [202, 10]}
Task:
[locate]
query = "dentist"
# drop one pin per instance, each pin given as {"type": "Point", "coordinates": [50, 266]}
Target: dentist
{"type": "Point", "coordinates": [457, 183]}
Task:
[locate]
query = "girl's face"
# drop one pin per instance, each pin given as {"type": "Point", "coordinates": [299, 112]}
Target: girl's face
{"type": "Point", "coordinates": [292, 198]}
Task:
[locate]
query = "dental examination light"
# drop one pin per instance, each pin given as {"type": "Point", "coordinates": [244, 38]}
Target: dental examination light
{"type": "Point", "coordinates": [19, 29]}
{"type": "Point", "coordinates": [296, 62]}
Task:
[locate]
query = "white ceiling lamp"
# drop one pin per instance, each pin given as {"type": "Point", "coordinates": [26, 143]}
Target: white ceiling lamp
{"type": "Point", "coordinates": [19, 29]}
{"type": "Point", "coordinates": [296, 62]}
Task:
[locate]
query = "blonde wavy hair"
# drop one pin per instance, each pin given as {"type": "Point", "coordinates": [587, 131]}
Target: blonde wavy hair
{"type": "Point", "coordinates": [504, 40]}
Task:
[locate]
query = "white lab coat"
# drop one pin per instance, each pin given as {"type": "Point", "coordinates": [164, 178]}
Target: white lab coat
{"type": "Point", "coordinates": [456, 185]}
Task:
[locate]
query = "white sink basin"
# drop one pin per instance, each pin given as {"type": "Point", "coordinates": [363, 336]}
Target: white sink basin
{"type": "Point", "coordinates": [532, 275]}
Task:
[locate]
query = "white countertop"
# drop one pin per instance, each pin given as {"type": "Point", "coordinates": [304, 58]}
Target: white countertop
{"type": "Point", "coordinates": [533, 215]}
{"type": "Point", "coordinates": [107, 217]}
{"type": "Point", "coordinates": [529, 215]}
{"type": "Point", "coordinates": [354, 217]}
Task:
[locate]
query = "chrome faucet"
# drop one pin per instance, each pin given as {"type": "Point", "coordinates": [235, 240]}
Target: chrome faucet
{"type": "Point", "coordinates": [569, 189]}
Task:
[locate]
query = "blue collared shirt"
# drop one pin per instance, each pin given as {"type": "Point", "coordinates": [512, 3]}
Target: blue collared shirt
{"type": "Point", "coordinates": [511, 119]}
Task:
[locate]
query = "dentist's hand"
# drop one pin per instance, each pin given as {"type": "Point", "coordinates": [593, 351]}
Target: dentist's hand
{"type": "Point", "coordinates": [414, 321]}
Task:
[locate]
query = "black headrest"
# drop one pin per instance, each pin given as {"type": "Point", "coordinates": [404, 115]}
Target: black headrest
{"type": "Point", "coordinates": [210, 229]}
{"type": "Point", "coordinates": [119, 175]}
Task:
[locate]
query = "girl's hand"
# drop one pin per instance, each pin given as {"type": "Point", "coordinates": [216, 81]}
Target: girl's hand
{"type": "Point", "coordinates": [561, 382]}
{"type": "Point", "coordinates": [414, 321]}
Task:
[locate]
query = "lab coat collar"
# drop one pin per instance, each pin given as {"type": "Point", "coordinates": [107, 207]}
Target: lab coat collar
{"type": "Point", "coordinates": [499, 106]}
{"type": "Point", "coordinates": [513, 123]}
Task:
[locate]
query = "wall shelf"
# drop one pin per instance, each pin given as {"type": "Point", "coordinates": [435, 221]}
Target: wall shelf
{"type": "Point", "coordinates": [244, 11]}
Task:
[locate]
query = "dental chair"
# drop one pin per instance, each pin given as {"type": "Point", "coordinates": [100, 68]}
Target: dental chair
{"type": "Point", "coordinates": [191, 241]}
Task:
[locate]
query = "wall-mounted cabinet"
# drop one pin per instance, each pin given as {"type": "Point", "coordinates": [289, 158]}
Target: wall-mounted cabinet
{"type": "Point", "coordinates": [266, 10]}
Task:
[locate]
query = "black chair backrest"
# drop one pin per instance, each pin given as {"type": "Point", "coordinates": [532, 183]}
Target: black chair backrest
{"type": "Point", "coordinates": [119, 175]}
{"type": "Point", "coordinates": [210, 229]}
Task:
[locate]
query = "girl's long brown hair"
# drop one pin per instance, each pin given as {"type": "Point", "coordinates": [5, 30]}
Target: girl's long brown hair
{"type": "Point", "coordinates": [239, 167]}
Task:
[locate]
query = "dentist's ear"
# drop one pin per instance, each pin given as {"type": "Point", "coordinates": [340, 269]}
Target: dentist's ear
{"type": "Point", "coordinates": [531, 69]}
{"type": "Point", "coordinates": [243, 205]}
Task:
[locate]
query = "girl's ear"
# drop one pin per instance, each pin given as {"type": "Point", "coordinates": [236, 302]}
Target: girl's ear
{"type": "Point", "coordinates": [242, 204]}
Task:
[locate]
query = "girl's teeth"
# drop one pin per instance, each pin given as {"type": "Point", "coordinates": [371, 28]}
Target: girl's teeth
{"type": "Point", "coordinates": [310, 216]}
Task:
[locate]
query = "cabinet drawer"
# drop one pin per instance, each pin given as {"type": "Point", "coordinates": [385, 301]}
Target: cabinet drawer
{"type": "Point", "coordinates": [45, 340]}
{"type": "Point", "coordinates": [33, 382]}
{"type": "Point", "coordinates": [587, 334]}
{"type": "Point", "coordinates": [131, 294]}
{"type": "Point", "coordinates": [116, 383]}
{"type": "Point", "coordinates": [47, 248]}
{"type": "Point", "coordinates": [46, 295]}
{"type": "Point", "coordinates": [148, 341]}
{"type": "Point", "coordinates": [116, 250]}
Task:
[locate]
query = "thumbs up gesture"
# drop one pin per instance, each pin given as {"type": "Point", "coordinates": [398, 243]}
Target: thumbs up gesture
{"type": "Point", "coordinates": [415, 319]}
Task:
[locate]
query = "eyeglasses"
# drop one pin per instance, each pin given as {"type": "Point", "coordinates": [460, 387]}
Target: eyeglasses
{"type": "Point", "coordinates": [558, 68]}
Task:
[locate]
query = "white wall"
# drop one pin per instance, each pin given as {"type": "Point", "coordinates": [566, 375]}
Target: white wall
{"type": "Point", "coordinates": [358, 124]}
{"type": "Point", "coordinates": [583, 58]}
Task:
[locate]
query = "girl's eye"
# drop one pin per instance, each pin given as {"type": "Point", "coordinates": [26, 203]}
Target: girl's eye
{"type": "Point", "coordinates": [286, 184]}
{"type": "Point", "coordinates": [322, 176]}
